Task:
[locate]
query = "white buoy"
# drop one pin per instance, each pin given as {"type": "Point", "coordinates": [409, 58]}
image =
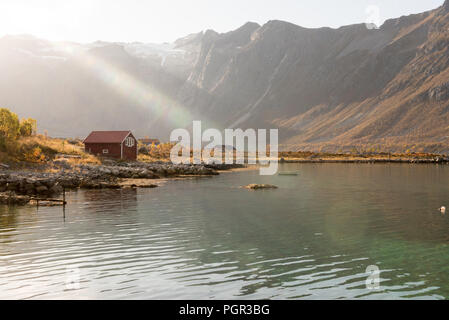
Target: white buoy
{"type": "Point", "coordinates": [443, 209]}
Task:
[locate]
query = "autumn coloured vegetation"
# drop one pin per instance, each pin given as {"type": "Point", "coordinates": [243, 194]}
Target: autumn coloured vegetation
{"type": "Point", "coordinates": [19, 142]}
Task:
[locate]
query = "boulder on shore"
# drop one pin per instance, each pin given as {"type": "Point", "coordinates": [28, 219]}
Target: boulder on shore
{"type": "Point", "coordinates": [260, 186]}
{"type": "Point", "coordinates": [137, 183]}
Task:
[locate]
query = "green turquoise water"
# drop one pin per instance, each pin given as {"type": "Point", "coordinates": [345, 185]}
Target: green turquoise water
{"type": "Point", "coordinates": [313, 238]}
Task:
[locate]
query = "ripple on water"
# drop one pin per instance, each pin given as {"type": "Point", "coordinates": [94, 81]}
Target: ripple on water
{"type": "Point", "coordinates": [204, 239]}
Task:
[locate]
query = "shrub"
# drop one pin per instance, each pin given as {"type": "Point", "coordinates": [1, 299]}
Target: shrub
{"type": "Point", "coordinates": [34, 155]}
{"type": "Point", "coordinates": [27, 127]}
{"type": "Point", "coordinates": [74, 142]}
{"type": "Point", "coordinates": [144, 150]}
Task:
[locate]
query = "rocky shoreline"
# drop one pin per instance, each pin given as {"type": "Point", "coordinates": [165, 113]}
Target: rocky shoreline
{"type": "Point", "coordinates": [20, 187]}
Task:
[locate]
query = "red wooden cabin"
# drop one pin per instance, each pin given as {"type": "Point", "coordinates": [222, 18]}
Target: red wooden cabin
{"type": "Point", "coordinates": [113, 144]}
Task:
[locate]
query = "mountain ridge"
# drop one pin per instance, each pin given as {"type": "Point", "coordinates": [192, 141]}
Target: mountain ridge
{"type": "Point", "coordinates": [362, 64]}
{"type": "Point", "coordinates": [323, 88]}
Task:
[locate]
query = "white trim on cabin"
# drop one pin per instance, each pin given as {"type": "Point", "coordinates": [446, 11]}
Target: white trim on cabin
{"type": "Point", "coordinates": [130, 142]}
{"type": "Point", "coordinates": [135, 142]}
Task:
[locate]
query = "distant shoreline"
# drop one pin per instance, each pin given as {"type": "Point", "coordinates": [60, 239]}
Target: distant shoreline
{"type": "Point", "coordinates": [367, 161]}
{"type": "Point", "coordinates": [410, 158]}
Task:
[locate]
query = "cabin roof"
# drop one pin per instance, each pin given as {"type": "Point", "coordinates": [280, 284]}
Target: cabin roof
{"type": "Point", "coordinates": [107, 136]}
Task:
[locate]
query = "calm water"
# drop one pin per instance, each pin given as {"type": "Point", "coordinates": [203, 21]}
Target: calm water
{"type": "Point", "coordinates": [313, 238]}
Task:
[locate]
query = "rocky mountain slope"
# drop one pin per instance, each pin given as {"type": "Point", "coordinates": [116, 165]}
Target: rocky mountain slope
{"type": "Point", "coordinates": [327, 89]}
{"type": "Point", "coordinates": [331, 89]}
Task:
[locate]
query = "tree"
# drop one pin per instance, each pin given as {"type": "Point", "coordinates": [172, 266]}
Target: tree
{"type": "Point", "coordinates": [28, 127]}
{"type": "Point", "coordinates": [9, 127]}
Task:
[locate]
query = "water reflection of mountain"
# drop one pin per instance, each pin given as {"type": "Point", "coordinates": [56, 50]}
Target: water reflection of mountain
{"type": "Point", "coordinates": [111, 200]}
{"type": "Point", "coordinates": [11, 217]}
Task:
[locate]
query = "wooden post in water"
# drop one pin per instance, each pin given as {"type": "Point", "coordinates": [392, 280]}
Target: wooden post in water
{"type": "Point", "coordinates": [63, 203]}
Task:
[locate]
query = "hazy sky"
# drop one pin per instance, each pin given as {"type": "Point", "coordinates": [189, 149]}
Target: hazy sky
{"type": "Point", "coordinates": [167, 20]}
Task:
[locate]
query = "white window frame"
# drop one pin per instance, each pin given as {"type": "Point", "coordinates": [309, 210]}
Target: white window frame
{"type": "Point", "coordinates": [130, 142]}
{"type": "Point", "coordinates": [105, 151]}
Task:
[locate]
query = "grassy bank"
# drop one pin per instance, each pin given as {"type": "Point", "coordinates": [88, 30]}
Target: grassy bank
{"type": "Point", "coordinates": [39, 150]}
{"type": "Point", "coordinates": [21, 146]}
